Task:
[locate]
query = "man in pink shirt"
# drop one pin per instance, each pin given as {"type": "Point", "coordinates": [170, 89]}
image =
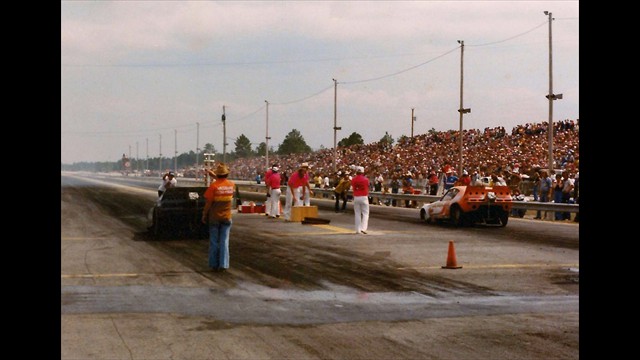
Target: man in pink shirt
{"type": "Point", "coordinates": [298, 181]}
{"type": "Point", "coordinates": [273, 186]}
{"type": "Point", "coordinates": [360, 186]}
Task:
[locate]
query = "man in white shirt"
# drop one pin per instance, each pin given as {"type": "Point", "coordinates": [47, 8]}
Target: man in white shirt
{"type": "Point", "coordinates": [168, 181]}
{"type": "Point", "coordinates": [567, 191]}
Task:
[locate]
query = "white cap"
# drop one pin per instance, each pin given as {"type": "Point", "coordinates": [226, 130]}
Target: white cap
{"type": "Point", "coordinates": [359, 169]}
{"type": "Point", "coordinates": [275, 168]}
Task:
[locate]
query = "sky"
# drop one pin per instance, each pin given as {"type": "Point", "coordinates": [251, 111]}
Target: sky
{"type": "Point", "coordinates": [144, 78]}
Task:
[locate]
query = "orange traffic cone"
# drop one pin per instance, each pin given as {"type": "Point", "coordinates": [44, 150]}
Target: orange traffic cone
{"type": "Point", "coordinates": [452, 262]}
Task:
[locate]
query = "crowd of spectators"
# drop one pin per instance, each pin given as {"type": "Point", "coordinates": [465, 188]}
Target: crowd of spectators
{"type": "Point", "coordinates": [491, 151]}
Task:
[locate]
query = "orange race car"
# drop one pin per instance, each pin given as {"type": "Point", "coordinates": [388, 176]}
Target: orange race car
{"type": "Point", "coordinates": [468, 205]}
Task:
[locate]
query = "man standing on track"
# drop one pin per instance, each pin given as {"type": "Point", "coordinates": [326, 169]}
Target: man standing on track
{"type": "Point", "coordinates": [273, 186]}
{"type": "Point", "coordinates": [340, 192]}
{"type": "Point", "coordinates": [298, 181]}
{"type": "Point", "coordinates": [360, 185]}
{"type": "Point", "coordinates": [217, 213]}
{"type": "Point", "coordinates": [267, 203]}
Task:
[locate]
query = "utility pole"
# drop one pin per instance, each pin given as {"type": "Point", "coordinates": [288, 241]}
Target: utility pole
{"type": "Point", "coordinates": [197, 149]}
{"type": "Point", "coordinates": [175, 156]}
{"type": "Point", "coordinates": [146, 167]}
{"type": "Point", "coordinates": [137, 158]}
{"type": "Point", "coordinates": [224, 136]}
{"type": "Point", "coordinates": [413, 118]}
{"type": "Point", "coordinates": [551, 97]}
{"type": "Point", "coordinates": [267, 138]}
{"type": "Point", "coordinates": [335, 122]}
{"type": "Point", "coordinates": [461, 110]}
{"type": "Point", "coordinates": [160, 163]}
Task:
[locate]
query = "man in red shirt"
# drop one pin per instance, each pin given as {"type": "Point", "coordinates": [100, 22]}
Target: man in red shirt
{"type": "Point", "coordinates": [465, 179]}
{"type": "Point", "coordinates": [360, 186]}
{"type": "Point", "coordinates": [433, 183]}
{"type": "Point", "coordinates": [298, 182]}
{"type": "Point", "coordinates": [273, 186]}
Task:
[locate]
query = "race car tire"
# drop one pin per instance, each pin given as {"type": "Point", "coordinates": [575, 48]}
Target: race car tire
{"type": "Point", "coordinates": [504, 218]}
{"type": "Point", "coordinates": [456, 216]}
{"type": "Point", "coordinates": [158, 228]}
{"type": "Point", "coordinates": [423, 216]}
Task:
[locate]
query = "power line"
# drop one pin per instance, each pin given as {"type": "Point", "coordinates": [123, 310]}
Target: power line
{"type": "Point", "coordinates": [305, 98]}
{"type": "Point", "coordinates": [437, 57]}
{"type": "Point", "coordinates": [511, 38]}
{"type": "Point", "coordinates": [401, 71]}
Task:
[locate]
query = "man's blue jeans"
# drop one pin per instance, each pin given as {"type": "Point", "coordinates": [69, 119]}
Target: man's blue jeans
{"type": "Point", "coordinates": [543, 198]}
{"type": "Point", "coordinates": [219, 244]}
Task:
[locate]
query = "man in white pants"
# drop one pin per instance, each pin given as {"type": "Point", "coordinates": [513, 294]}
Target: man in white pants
{"type": "Point", "coordinates": [297, 182]}
{"type": "Point", "coordinates": [267, 203]}
{"type": "Point", "coordinates": [360, 186]}
{"type": "Point", "coordinates": [273, 183]}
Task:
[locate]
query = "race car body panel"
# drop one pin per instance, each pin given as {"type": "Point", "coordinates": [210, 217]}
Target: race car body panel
{"type": "Point", "coordinates": [466, 205]}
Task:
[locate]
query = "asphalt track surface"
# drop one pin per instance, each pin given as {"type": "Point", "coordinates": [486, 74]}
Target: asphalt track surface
{"type": "Point", "coordinates": [311, 291]}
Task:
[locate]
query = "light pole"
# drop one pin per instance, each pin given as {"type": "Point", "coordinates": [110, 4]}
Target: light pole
{"type": "Point", "coordinates": [175, 154]}
{"type": "Point", "coordinates": [266, 147]}
{"type": "Point", "coordinates": [335, 122]}
{"type": "Point", "coordinates": [461, 110]}
{"type": "Point", "coordinates": [550, 96]}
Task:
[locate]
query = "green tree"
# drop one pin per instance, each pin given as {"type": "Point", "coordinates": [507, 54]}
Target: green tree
{"type": "Point", "coordinates": [261, 149]}
{"type": "Point", "coordinates": [293, 143]}
{"type": "Point", "coordinates": [208, 149]}
{"type": "Point", "coordinates": [403, 138]}
{"type": "Point", "coordinates": [353, 139]}
{"type": "Point", "coordinates": [243, 147]}
{"type": "Point", "coordinates": [186, 160]}
{"type": "Point", "coordinates": [386, 139]}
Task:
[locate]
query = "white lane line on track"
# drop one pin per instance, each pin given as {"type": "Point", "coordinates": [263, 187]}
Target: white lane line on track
{"type": "Point", "coordinates": [71, 276]}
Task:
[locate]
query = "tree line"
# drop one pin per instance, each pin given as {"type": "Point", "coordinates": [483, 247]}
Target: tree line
{"type": "Point", "coordinates": [293, 143]}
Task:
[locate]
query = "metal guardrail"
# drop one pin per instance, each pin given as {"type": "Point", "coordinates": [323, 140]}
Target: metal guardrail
{"type": "Point", "coordinates": [422, 199]}
{"type": "Point", "coordinates": [252, 186]}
